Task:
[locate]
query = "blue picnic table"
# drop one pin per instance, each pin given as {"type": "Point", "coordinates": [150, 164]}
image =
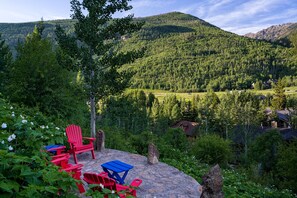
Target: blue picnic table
{"type": "Point", "coordinates": [114, 168]}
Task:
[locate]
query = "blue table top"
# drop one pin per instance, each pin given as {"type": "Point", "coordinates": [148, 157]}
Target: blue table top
{"type": "Point", "coordinates": [117, 166]}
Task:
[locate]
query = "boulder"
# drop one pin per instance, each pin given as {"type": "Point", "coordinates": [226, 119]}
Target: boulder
{"type": "Point", "coordinates": [153, 154]}
{"type": "Point", "coordinates": [212, 184]}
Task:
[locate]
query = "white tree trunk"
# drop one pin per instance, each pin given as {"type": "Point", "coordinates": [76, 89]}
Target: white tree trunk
{"type": "Point", "coordinates": [93, 116]}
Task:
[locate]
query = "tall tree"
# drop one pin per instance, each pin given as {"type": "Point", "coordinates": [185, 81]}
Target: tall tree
{"type": "Point", "coordinates": [5, 63]}
{"type": "Point", "coordinates": [95, 47]}
{"type": "Point", "coordinates": [279, 98]}
{"type": "Point", "coordinates": [37, 80]}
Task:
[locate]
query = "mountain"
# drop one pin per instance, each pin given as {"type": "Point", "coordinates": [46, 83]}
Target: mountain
{"type": "Point", "coordinates": [275, 32]}
{"type": "Point", "coordinates": [13, 33]}
{"type": "Point", "coordinates": [185, 53]}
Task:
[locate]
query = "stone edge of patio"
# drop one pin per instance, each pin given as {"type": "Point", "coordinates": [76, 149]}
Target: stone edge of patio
{"type": "Point", "coordinates": [159, 180]}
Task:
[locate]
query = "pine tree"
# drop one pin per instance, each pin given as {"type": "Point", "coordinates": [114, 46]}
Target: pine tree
{"type": "Point", "coordinates": [5, 64]}
{"type": "Point", "coordinates": [279, 98]}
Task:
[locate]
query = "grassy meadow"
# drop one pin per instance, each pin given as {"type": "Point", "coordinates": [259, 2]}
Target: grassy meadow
{"type": "Point", "coordinates": [160, 94]}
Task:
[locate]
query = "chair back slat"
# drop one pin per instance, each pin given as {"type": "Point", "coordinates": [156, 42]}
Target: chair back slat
{"type": "Point", "coordinates": [74, 134]}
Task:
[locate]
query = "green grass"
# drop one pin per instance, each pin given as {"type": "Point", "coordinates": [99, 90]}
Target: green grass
{"type": "Point", "coordinates": [160, 94]}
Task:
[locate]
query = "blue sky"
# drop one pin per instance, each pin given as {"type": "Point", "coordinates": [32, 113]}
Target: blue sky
{"type": "Point", "coordinates": [238, 16]}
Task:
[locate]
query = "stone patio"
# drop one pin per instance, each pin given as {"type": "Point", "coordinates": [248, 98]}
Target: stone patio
{"type": "Point", "coordinates": [158, 181]}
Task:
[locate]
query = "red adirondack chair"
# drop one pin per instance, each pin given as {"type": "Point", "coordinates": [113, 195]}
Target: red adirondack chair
{"type": "Point", "coordinates": [75, 140]}
{"type": "Point", "coordinates": [74, 170]}
{"type": "Point", "coordinates": [106, 182]}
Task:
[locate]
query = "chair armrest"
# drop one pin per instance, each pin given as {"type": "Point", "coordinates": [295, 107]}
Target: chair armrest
{"type": "Point", "coordinates": [89, 138]}
{"type": "Point", "coordinates": [60, 156]}
{"type": "Point", "coordinates": [62, 161]}
{"type": "Point", "coordinates": [73, 168]}
{"type": "Point", "coordinates": [136, 182]}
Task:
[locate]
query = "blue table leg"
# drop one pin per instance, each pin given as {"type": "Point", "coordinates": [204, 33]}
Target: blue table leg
{"type": "Point", "coordinates": [116, 176]}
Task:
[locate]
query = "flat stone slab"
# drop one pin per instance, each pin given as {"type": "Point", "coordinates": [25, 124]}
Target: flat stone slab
{"type": "Point", "coordinates": [158, 180]}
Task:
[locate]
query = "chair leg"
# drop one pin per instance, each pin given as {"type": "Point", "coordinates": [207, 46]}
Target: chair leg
{"type": "Point", "coordinates": [93, 154]}
{"type": "Point", "coordinates": [74, 157]}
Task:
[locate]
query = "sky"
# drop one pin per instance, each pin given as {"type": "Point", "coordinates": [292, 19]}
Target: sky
{"type": "Point", "coordinates": [237, 16]}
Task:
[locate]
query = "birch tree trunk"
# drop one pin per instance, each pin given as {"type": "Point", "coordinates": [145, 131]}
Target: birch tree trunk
{"type": "Point", "coordinates": [93, 115]}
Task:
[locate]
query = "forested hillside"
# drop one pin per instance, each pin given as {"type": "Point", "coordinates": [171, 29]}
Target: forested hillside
{"type": "Point", "coordinates": [13, 33]}
{"type": "Point", "coordinates": [184, 53]}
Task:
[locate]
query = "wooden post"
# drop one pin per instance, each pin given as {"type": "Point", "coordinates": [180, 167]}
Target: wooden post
{"type": "Point", "coordinates": [100, 140]}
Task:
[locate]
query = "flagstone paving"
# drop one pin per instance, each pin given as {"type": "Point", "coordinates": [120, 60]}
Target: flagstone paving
{"type": "Point", "coordinates": [158, 181]}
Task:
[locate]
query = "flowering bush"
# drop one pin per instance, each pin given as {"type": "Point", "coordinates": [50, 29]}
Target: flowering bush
{"type": "Point", "coordinates": [24, 134]}
{"type": "Point", "coordinates": [24, 169]}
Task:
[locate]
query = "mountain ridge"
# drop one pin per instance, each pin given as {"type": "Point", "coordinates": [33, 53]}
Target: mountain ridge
{"type": "Point", "coordinates": [185, 53]}
{"type": "Point", "coordinates": [275, 32]}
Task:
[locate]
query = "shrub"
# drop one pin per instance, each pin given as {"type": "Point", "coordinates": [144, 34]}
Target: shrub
{"type": "Point", "coordinates": [176, 138]}
{"type": "Point", "coordinates": [264, 149]}
{"type": "Point", "coordinates": [24, 170]}
{"type": "Point", "coordinates": [286, 166]}
{"type": "Point", "coordinates": [212, 149]}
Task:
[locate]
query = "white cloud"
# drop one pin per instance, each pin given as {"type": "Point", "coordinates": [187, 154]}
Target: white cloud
{"type": "Point", "coordinates": [151, 3]}
{"type": "Point", "coordinates": [243, 12]}
{"type": "Point", "coordinates": [242, 30]}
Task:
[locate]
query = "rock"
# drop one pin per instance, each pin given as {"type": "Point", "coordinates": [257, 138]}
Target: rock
{"type": "Point", "coordinates": [100, 140]}
{"type": "Point", "coordinates": [212, 183]}
{"type": "Point", "coordinates": [153, 154]}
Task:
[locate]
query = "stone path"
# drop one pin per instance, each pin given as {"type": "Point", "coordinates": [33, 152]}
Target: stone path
{"type": "Point", "coordinates": [158, 181]}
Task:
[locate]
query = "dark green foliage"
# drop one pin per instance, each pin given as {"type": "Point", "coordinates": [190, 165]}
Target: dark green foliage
{"type": "Point", "coordinates": [125, 112]}
{"type": "Point", "coordinates": [279, 98]}
{"type": "Point", "coordinates": [286, 166]}
{"type": "Point", "coordinates": [25, 170]}
{"type": "Point", "coordinates": [212, 149]}
{"type": "Point", "coordinates": [5, 64]}
{"type": "Point", "coordinates": [176, 138]}
{"type": "Point", "coordinates": [37, 80]}
{"type": "Point", "coordinates": [264, 150]}
{"type": "Point", "coordinates": [141, 141]}
{"type": "Point", "coordinates": [117, 138]}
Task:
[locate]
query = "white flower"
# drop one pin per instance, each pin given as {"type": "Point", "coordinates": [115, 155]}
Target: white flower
{"type": "Point", "coordinates": [46, 127]}
{"type": "Point", "coordinates": [22, 116]}
{"type": "Point", "coordinates": [42, 126]}
{"type": "Point", "coordinates": [9, 139]}
{"type": "Point", "coordinates": [10, 148]}
{"type": "Point", "coordinates": [13, 136]}
{"type": "Point", "coordinates": [64, 134]}
{"type": "Point", "coordinates": [32, 123]}
{"type": "Point", "coordinates": [4, 125]}
{"type": "Point", "coordinates": [101, 186]}
{"type": "Point", "coordinates": [12, 114]}
{"type": "Point", "coordinates": [24, 121]}
{"type": "Point", "coordinates": [52, 135]}
{"type": "Point", "coordinates": [11, 107]}
{"type": "Point", "coordinates": [57, 128]}
{"type": "Point", "coordinates": [112, 192]}
{"type": "Point", "coordinates": [2, 142]}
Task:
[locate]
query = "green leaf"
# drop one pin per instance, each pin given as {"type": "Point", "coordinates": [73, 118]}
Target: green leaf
{"type": "Point", "coordinates": [9, 186]}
